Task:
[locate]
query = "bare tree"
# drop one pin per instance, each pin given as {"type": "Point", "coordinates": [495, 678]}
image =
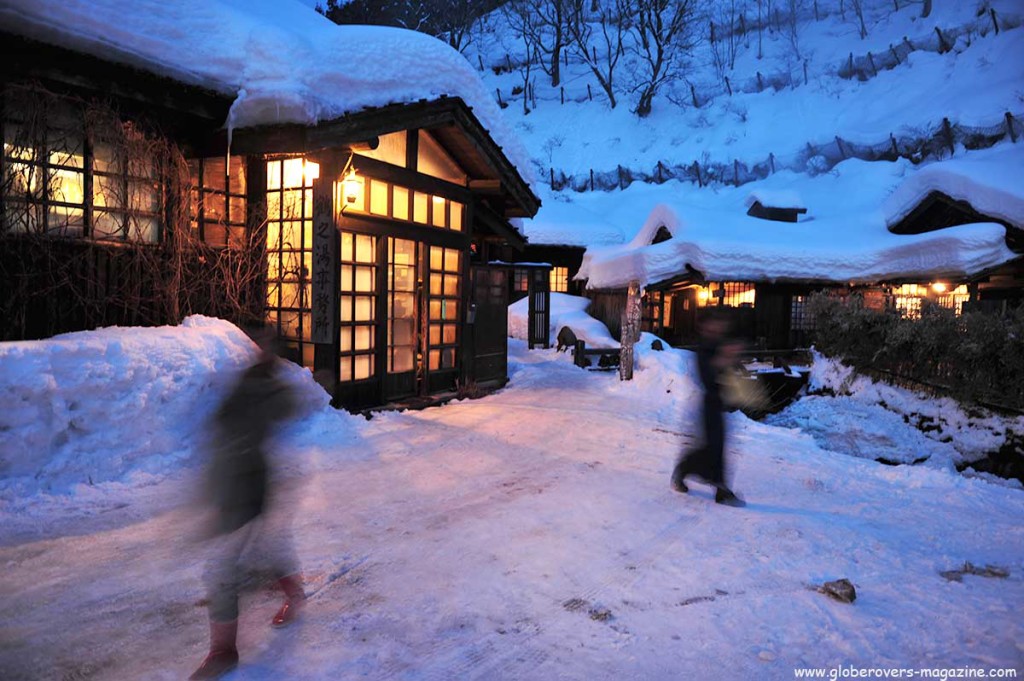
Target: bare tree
{"type": "Point", "coordinates": [608, 26]}
{"type": "Point", "coordinates": [858, 11]}
{"type": "Point", "coordinates": [793, 9]}
{"type": "Point", "coordinates": [664, 32]}
{"type": "Point", "coordinates": [543, 25]}
{"type": "Point", "coordinates": [724, 34]}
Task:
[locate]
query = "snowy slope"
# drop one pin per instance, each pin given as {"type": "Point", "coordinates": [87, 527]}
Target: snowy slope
{"type": "Point", "coordinates": [974, 84]}
{"type": "Point", "coordinates": [532, 535]}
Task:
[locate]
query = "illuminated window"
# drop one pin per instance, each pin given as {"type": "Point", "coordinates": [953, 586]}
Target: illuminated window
{"type": "Point", "coordinates": [57, 181]}
{"type": "Point", "coordinates": [383, 199]}
{"type": "Point", "coordinates": [726, 294]}
{"type": "Point", "coordinates": [559, 279]}
{"type": "Point", "coordinates": [443, 313]}
{"type": "Point", "coordinates": [402, 313]}
{"type": "Point", "coordinates": [357, 309]}
{"type": "Point", "coordinates": [218, 201]}
{"type": "Point", "coordinates": [290, 252]}
{"type": "Point", "coordinates": [433, 160]}
{"type": "Point", "coordinates": [390, 149]}
{"type": "Point", "coordinates": [521, 279]}
{"type": "Point", "coordinates": [908, 298]}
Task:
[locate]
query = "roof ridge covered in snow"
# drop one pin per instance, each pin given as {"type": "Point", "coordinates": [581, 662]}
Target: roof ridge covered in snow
{"type": "Point", "coordinates": [281, 61]}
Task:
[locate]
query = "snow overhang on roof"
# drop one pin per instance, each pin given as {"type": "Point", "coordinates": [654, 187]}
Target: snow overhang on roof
{"type": "Point", "coordinates": [844, 240]}
{"type": "Point", "coordinates": [278, 61]}
{"type": "Point", "coordinates": [990, 183]}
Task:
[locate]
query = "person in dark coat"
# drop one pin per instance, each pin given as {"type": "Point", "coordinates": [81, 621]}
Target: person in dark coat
{"type": "Point", "coordinates": [716, 353]}
{"type": "Point", "coordinates": [237, 489]}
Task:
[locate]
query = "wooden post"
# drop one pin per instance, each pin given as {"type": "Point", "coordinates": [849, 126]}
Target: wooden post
{"type": "Point", "coordinates": [849, 68]}
{"type": "Point", "coordinates": [562, 89]}
{"type": "Point", "coordinates": [480, 60]}
{"type": "Point", "coordinates": [839, 143]}
{"type": "Point", "coordinates": [500, 103]}
{"type": "Point", "coordinates": [552, 171]}
{"type": "Point", "coordinates": [696, 170]}
{"type": "Point", "coordinates": [942, 41]}
{"type": "Point", "coordinates": [1009, 127]}
{"type": "Point", "coordinates": [579, 358]}
{"type": "Point", "coordinates": [590, 95]}
{"type": "Point", "coordinates": [871, 59]}
{"type": "Point", "coordinates": [630, 330]}
{"type": "Point", "coordinates": [324, 277]}
{"type": "Point", "coordinates": [591, 179]}
{"type": "Point", "coordinates": [805, 72]}
{"type": "Point", "coordinates": [760, 83]}
{"type": "Point", "coordinates": [771, 162]}
{"type": "Point", "coordinates": [693, 92]}
{"type": "Point", "coordinates": [992, 12]}
{"type": "Point", "coordinates": [736, 171]}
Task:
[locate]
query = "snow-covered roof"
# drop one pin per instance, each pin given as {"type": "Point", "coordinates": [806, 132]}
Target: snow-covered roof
{"type": "Point", "coordinates": [843, 238]}
{"type": "Point", "coordinates": [281, 61]}
{"type": "Point", "coordinates": [774, 199]}
{"type": "Point", "coordinates": [992, 183]}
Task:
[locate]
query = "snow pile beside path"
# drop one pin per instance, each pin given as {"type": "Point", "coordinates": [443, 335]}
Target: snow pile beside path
{"type": "Point", "coordinates": [870, 419]}
{"type": "Point", "coordinates": [568, 311]}
{"type": "Point", "coordinates": [118, 404]}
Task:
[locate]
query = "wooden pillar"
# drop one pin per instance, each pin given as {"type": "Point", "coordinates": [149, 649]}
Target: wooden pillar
{"type": "Point", "coordinates": [630, 330]}
{"type": "Point", "coordinates": [324, 332]}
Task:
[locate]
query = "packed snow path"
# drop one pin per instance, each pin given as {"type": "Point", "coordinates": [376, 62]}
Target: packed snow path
{"type": "Point", "coordinates": [533, 535]}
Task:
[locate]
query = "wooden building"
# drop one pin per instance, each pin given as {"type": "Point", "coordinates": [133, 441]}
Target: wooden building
{"type": "Point", "coordinates": [360, 238]}
{"type": "Point", "coordinates": [919, 255]}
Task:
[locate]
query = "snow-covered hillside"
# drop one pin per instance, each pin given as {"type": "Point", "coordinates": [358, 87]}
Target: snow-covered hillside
{"type": "Point", "coordinates": [774, 119]}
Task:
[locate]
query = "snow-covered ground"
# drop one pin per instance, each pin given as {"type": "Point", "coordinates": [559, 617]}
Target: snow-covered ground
{"type": "Point", "coordinates": [530, 534]}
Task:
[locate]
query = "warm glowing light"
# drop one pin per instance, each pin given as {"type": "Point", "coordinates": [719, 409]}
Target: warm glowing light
{"type": "Point", "coordinates": [702, 294]}
{"type": "Point", "coordinates": [939, 287]}
{"type": "Point", "coordinates": [353, 186]}
{"type": "Point", "coordinates": [311, 171]}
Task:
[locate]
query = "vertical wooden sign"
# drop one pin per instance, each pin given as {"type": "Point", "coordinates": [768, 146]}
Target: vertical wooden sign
{"type": "Point", "coordinates": [325, 256]}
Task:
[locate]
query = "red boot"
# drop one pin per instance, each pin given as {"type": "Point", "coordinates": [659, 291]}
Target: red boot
{"type": "Point", "coordinates": [223, 656]}
{"type": "Point", "coordinates": [295, 598]}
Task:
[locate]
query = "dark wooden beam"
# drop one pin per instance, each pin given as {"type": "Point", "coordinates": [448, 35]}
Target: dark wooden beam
{"type": "Point", "coordinates": [425, 183]}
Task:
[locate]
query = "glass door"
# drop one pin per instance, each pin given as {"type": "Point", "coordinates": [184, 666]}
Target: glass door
{"type": "Point", "coordinates": [402, 318]}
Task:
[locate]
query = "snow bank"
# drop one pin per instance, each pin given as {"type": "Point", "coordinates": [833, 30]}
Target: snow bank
{"type": "Point", "coordinates": [118, 404]}
{"type": "Point", "coordinates": [568, 311]}
{"type": "Point", "coordinates": [279, 59]}
{"type": "Point", "coordinates": [875, 420]}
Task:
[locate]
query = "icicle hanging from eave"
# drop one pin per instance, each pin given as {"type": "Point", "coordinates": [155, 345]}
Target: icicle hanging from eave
{"type": "Point", "coordinates": [230, 125]}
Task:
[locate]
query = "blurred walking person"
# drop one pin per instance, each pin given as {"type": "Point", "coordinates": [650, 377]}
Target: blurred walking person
{"type": "Point", "coordinates": [237, 487]}
{"type": "Point", "coordinates": [716, 355]}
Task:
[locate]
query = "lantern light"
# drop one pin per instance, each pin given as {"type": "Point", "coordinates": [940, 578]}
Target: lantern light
{"type": "Point", "coordinates": [939, 287]}
{"type": "Point", "coordinates": [353, 186]}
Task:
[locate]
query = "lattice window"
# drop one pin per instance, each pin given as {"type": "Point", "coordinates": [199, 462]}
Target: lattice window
{"type": "Point", "coordinates": [443, 331]}
{"type": "Point", "coordinates": [69, 172]}
{"type": "Point", "coordinates": [358, 298]}
{"type": "Point", "coordinates": [559, 279]}
{"type": "Point", "coordinates": [521, 279]}
{"type": "Point", "coordinates": [290, 252]}
{"type": "Point", "coordinates": [369, 196]}
{"type": "Point", "coordinates": [726, 294]}
{"type": "Point", "coordinates": [218, 200]}
{"type": "Point", "coordinates": [799, 318]}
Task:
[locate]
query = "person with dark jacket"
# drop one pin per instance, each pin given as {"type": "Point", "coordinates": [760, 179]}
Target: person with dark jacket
{"type": "Point", "coordinates": [716, 354]}
{"type": "Point", "coordinates": [237, 487]}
